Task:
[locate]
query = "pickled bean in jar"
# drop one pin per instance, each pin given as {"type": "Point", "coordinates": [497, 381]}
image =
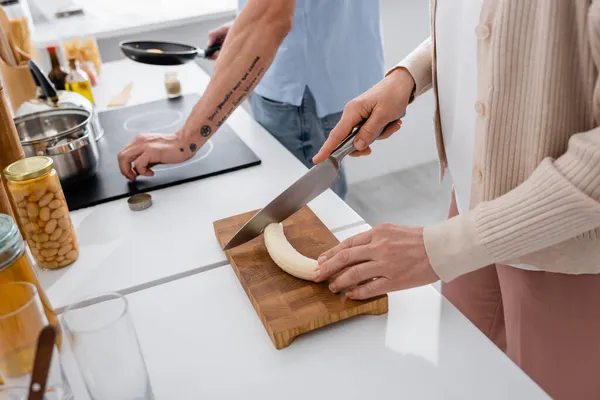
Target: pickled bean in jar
{"type": "Point", "coordinates": [35, 187]}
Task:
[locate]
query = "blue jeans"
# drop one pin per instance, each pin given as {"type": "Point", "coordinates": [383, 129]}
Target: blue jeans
{"type": "Point", "coordinates": [299, 129]}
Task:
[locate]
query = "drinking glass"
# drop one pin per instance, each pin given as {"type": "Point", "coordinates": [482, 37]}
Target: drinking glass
{"type": "Point", "coordinates": [105, 345]}
{"type": "Point", "coordinates": [21, 320]}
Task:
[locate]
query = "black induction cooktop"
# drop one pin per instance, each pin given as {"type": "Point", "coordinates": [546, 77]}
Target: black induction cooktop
{"type": "Point", "coordinates": [224, 152]}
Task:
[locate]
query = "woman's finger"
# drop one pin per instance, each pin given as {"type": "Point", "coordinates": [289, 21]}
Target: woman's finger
{"type": "Point", "coordinates": [351, 117]}
{"type": "Point", "coordinates": [390, 130]}
{"type": "Point", "coordinates": [369, 289]}
{"type": "Point", "coordinates": [357, 240]}
{"type": "Point", "coordinates": [343, 259]}
{"type": "Point", "coordinates": [362, 153]}
{"type": "Point", "coordinates": [355, 276]}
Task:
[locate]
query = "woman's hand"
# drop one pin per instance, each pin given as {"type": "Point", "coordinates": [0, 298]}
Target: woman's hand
{"type": "Point", "coordinates": [381, 260]}
{"type": "Point", "coordinates": [382, 104]}
{"type": "Point", "coordinates": [149, 149]}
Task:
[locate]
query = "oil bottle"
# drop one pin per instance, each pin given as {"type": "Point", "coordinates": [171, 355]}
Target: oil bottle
{"type": "Point", "coordinates": [78, 81]}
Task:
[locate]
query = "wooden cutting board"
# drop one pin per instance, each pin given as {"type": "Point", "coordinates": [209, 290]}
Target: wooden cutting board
{"type": "Point", "coordinates": [288, 306]}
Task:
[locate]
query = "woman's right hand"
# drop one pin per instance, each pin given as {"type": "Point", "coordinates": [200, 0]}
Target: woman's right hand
{"type": "Point", "coordinates": [383, 104]}
{"type": "Point", "coordinates": [217, 36]}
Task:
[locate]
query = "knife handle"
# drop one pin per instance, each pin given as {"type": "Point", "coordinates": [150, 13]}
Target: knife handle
{"type": "Point", "coordinates": [347, 145]}
{"type": "Point", "coordinates": [42, 361]}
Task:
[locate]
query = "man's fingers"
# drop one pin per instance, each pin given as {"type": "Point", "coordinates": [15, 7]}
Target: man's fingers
{"type": "Point", "coordinates": [125, 158]}
{"type": "Point", "coordinates": [214, 55]}
{"type": "Point", "coordinates": [355, 275]}
{"type": "Point", "coordinates": [390, 130]}
{"type": "Point", "coordinates": [369, 289]}
{"type": "Point", "coordinates": [350, 118]}
{"type": "Point", "coordinates": [142, 164]}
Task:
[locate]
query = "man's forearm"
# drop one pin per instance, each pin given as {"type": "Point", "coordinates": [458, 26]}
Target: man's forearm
{"type": "Point", "coordinates": [248, 51]}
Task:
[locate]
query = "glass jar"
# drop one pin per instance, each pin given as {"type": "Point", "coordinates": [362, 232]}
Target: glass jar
{"type": "Point", "coordinates": [172, 84]}
{"type": "Point", "coordinates": [35, 188]}
{"type": "Point", "coordinates": [15, 265]}
{"type": "Point", "coordinates": [21, 23]}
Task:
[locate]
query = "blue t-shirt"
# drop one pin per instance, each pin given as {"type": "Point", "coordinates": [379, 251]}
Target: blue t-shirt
{"type": "Point", "coordinates": [334, 48]}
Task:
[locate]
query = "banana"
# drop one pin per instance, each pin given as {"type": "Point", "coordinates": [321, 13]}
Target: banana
{"type": "Point", "coordinates": [285, 256]}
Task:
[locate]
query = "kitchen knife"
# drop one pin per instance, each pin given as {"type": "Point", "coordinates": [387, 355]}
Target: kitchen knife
{"type": "Point", "coordinates": [318, 179]}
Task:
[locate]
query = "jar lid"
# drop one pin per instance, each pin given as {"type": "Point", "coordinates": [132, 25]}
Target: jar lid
{"type": "Point", "coordinates": [28, 168]}
{"type": "Point", "coordinates": [11, 241]}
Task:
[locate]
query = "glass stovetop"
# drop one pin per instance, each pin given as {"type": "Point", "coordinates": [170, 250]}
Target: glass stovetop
{"type": "Point", "coordinates": [224, 152]}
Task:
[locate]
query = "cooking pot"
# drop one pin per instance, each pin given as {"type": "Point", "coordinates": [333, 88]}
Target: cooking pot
{"type": "Point", "coordinates": [65, 135]}
{"type": "Point", "coordinates": [49, 98]}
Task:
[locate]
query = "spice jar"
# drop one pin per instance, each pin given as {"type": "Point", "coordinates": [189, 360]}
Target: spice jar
{"type": "Point", "coordinates": [172, 84]}
{"type": "Point", "coordinates": [15, 265]}
{"type": "Point", "coordinates": [35, 188]}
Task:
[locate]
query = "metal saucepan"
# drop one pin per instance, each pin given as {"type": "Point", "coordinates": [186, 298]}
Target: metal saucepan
{"type": "Point", "coordinates": [164, 53]}
{"type": "Point", "coordinates": [65, 135]}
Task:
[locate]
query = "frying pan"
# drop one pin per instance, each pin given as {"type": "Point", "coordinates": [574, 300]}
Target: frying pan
{"type": "Point", "coordinates": [164, 53]}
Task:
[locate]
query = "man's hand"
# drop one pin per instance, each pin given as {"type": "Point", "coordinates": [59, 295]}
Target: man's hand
{"type": "Point", "coordinates": [382, 104]}
{"type": "Point", "coordinates": [381, 260]}
{"type": "Point", "coordinates": [217, 36]}
{"type": "Point", "coordinates": [150, 149]}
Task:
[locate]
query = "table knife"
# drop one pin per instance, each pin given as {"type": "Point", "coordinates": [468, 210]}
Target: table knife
{"type": "Point", "coordinates": [317, 180]}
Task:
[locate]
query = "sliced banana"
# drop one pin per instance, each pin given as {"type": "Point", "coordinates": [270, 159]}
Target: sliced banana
{"type": "Point", "coordinates": [285, 256]}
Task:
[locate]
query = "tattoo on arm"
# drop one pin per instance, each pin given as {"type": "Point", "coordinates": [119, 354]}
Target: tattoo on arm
{"type": "Point", "coordinates": [206, 130]}
{"type": "Point", "coordinates": [235, 87]}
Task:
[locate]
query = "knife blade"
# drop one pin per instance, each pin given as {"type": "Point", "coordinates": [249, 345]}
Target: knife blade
{"type": "Point", "coordinates": [317, 180]}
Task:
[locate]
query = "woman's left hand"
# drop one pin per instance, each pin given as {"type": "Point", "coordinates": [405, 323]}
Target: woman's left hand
{"type": "Point", "coordinates": [381, 260]}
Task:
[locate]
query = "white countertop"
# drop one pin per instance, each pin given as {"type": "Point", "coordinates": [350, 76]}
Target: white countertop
{"type": "Point", "coordinates": [199, 333]}
{"type": "Point", "coordinates": [126, 251]}
{"type": "Point", "coordinates": [202, 339]}
{"type": "Point", "coordinates": [109, 18]}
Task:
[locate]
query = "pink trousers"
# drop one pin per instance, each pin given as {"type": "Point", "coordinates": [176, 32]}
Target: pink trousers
{"type": "Point", "coordinates": [547, 323]}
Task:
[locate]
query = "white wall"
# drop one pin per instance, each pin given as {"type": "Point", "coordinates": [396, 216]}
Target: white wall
{"type": "Point", "coordinates": [405, 25]}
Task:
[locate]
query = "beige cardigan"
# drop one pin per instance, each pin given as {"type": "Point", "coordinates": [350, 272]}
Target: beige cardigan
{"type": "Point", "coordinates": [536, 176]}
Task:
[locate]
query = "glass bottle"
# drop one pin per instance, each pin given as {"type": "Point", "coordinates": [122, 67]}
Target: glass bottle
{"type": "Point", "coordinates": [35, 189]}
{"type": "Point", "coordinates": [78, 81]}
{"type": "Point", "coordinates": [16, 266]}
{"type": "Point", "coordinates": [57, 75]}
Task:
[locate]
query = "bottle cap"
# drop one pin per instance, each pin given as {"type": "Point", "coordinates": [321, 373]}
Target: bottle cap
{"type": "Point", "coordinates": [139, 202]}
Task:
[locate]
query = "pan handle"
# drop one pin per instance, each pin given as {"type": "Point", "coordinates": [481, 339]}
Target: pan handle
{"type": "Point", "coordinates": [71, 146]}
{"type": "Point", "coordinates": [209, 51]}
